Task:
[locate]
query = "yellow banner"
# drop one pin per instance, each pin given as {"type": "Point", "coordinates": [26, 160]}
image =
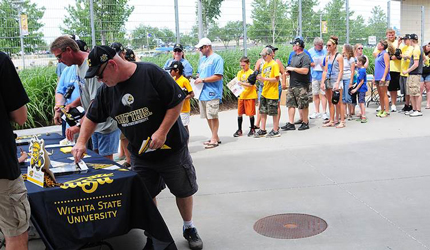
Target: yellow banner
{"type": "Point", "coordinates": [24, 25]}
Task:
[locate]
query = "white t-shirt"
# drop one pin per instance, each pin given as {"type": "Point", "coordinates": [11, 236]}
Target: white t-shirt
{"type": "Point", "coordinates": [347, 68]}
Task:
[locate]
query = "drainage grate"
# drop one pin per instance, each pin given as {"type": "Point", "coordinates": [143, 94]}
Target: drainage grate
{"type": "Point", "coordinates": [290, 226]}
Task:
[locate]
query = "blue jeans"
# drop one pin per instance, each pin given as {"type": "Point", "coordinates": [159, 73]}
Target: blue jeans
{"type": "Point", "coordinates": [106, 144]}
{"type": "Point", "coordinates": [346, 98]}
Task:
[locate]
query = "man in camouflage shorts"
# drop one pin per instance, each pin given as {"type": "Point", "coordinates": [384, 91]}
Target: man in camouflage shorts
{"type": "Point", "coordinates": [297, 96]}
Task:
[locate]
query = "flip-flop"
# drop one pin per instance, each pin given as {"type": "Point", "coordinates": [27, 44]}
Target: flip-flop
{"type": "Point", "coordinates": [329, 124]}
{"type": "Point", "coordinates": [341, 125]}
{"type": "Point", "coordinates": [211, 145]}
{"type": "Point", "coordinates": [427, 107]}
{"type": "Point", "coordinates": [209, 142]}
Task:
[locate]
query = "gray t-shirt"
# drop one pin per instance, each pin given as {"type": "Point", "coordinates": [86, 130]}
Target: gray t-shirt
{"type": "Point", "coordinates": [301, 60]}
{"type": "Point", "coordinates": [88, 90]}
{"type": "Point", "coordinates": [419, 69]}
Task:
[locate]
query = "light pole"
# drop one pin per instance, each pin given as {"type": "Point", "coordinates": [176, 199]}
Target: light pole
{"type": "Point", "coordinates": [17, 5]}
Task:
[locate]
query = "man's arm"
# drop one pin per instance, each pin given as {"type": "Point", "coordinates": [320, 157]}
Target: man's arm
{"type": "Point", "coordinates": [212, 78]}
{"type": "Point", "coordinates": [19, 115]}
{"type": "Point", "coordinates": [87, 129]}
{"type": "Point", "coordinates": [302, 71]}
{"type": "Point", "coordinates": [159, 136]}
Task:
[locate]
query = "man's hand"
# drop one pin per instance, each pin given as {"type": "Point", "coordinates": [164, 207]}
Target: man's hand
{"type": "Point", "coordinates": [289, 68]}
{"type": "Point", "coordinates": [198, 81]}
{"type": "Point", "coordinates": [354, 90]}
{"type": "Point", "coordinates": [284, 86]}
{"type": "Point", "coordinates": [322, 86]}
{"type": "Point", "coordinates": [336, 86]}
{"type": "Point", "coordinates": [70, 132]}
{"type": "Point", "coordinates": [260, 78]}
{"type": "Point", "coordinates": [405, 72]}
{"type": "Point", "coordinates": [57, 118]}
{"type": "Point", "coordinates": [78, 151]}
{"type": "Point", "coordinates": [158, 140]}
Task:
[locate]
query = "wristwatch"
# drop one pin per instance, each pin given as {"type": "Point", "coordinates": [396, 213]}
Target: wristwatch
{"type": "Point", "coordinates": [204, 80]}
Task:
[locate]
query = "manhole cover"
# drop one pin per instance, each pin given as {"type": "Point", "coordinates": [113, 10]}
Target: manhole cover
{"type": "Point", "coordinates": [290, 226]}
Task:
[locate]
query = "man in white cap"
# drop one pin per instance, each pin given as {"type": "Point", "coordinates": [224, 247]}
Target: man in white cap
{"type": "Point", "coordinates": [210, 72]}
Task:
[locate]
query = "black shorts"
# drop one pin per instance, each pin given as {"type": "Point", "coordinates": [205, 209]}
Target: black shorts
{"type": "Point", "coordinates": [176, 171]}
{"type": "Point", "coordinates": [394, 82]}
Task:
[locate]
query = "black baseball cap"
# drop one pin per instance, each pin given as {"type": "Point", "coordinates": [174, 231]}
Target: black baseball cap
{"type": "Point", "coordinates": [414, 37]}
{"type": "Point", "coordinates": [118, 47]}
{"type": "Point", "coordinates": [82, 45]}
{"type": "Point", "coordinates": [271, 47]}
{"type": "Point", "coordinates": [298, 41]}
{"type": "Point", "coordinates": [407, 36]}
{"type": "Point", "coordinates": [178, 46]}
{"type": "Point", "coordinates": [175, 65]}
{"type": "Point", "coordinates": [98, 56]}
{"type": "Point", "coordinates": [130, 56]}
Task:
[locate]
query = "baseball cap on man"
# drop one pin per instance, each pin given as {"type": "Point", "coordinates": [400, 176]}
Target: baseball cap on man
{"type": "Point", "coordinates": [178, 46]}
{"type": "Point", "coordinates": [414, 37]}
{"type": "Point", "coordinates": [298, 41]}
{"type": "Point", "coordinates": [175, 65]}
{"type": "Point", "coordinates": [98, 56]}
{"type": "Point", "coordinates": [130, 56]}
{"type": "Point", "coordinates": [273, 48]}
{"type": "Point", "coordinates": [82, 45]}
{"type": "Point", "coordinates": [118, 47]}
{"type": "Point", "coordinates": [407, 36]}
{"type": "Point", "coordinates": [204, 41]}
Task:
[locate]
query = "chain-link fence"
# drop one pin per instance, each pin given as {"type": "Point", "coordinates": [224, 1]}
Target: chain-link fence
{"type": "Point", "coordinates": [152, 27]}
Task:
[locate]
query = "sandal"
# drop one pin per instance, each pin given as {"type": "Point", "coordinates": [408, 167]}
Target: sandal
{"type": "Point", "coordinates": [329, 124]}
{"type": "Point", "coordinates": [211, 145]}
{"type": "Point", "coordinates": [209, 142]}
{"type": "Point", "coordinates": [341, 125]}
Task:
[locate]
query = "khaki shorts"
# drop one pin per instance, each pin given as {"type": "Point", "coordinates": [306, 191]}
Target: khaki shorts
{"type": "Point", "coordinates": [413, 85]}
{"type": "Point", "coordinates": [316, 88]}
{"type": "Point", "coordinates": [14, 207]}
{"type": "Point", "coordinates": [209, 109]}
{"type": "Point", "coordinates": [297, 97]}
{"type": "Point", "coordinates": [383, 84]}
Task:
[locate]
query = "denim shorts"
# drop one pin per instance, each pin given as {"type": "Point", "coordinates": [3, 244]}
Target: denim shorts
{"type": "Point", "coordinates": [260, 90]}
{"type": "Point", "coordinates": [346, 98]}
{"type": "Point", "coordinates": [425, 78]}
{"type": "Point", "coordinates": [106, 144]}
{"type": "Point", "coordinates": [361, 97]}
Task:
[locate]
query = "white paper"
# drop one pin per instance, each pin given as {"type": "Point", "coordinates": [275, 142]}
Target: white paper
{"type": "Point", "coordinates": [318, 62]}
{"type": "Point", "coordinates": [197, 88]}
{"type": "Point", "coordinates": [113, 167]}
{"type": "Point", "coordinates": [234, 87]}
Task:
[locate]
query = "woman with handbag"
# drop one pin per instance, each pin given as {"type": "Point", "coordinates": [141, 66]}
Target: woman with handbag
{"type": "Point", "coordinates": [332, 82]}
{"type": "Point", "coordinates": [425, 77]}
{"type": "Point", "coordinates": [382, 77]}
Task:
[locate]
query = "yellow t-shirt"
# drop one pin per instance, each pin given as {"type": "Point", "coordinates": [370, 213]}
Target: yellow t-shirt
{"type": "Point", "coordinates": [184, 83]}
{"type": "Point", "coordinates": [395, 65]}
{"type": "Point", "coordinates": [248, 92]}
{"type": "Point", "coordinates": [270, 89]}
{"type": "Point", "coordinates": [407, 51]}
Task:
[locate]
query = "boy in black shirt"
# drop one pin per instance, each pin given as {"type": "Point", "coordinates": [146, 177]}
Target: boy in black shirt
{"type": "Point", "coordinates": [146, 103]}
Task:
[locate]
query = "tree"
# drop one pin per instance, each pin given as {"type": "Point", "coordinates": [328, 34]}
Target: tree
{"type": "Point", "coordinates": [9, 30]}
{"type": "Point", "coordinates": [377, 23]}
{"type": "Point", "coordinates": [235, 30]}
{"type": "Point", "coordinates": [270, 21]}
{"type": "Point", "coordinates": [109, 20]}
{"type": "Point", "coordinates": [335, 15]}
{"type": "Point", "coordinates": [151, 36]}
{"type": "Point", "coordinates": [310, 19]}
{"type": "Point", "coordinates": [211, 11]}
{"type": "Point", "coordinates": [358, 31]}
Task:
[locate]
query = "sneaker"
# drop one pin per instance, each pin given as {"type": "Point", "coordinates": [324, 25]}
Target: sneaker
{"type": "Point", "coordinates": [409, 108]}
{"type": "Point", "coordinates": [325, 117]}
{"type": "Point", "coordinates": [379, 113]}
{"type": "Point", "coordinates": [393, 108]}
{"type": "Point", "coordinates": [251, 132]}
{"type": "Point", "coordinates": [238, 133]}
{"type": "Point", "coordinates": [416, 114]}
{"type": "Point", "coordinates": [315, 115]}
{"type": "Point", "coordinates": [149, 245]}
{"type": "Point", "coordinates": [404, 109]}
{"type": "Point", "coordinates": [288, 126]}
{"type": "Point", "coordinates": [193, 238]}
{"type": "Point", "coordinates": [364, 120]}
{"type": "Point", "coordinates": [379, 108]}
{"type": "Point", "coordinates": [298, 121]}
{"type": "Point", "coordinates": [273, 134]}
{"type": "Point", "coordinates": [383, 115]}
{"type": "Point", "coordinates": [349, 118]}
{"type": "Point", "coordinates": [304, 126]}
{"type": "Point", "coordinates": [260, 133]}
{"type": "Point", "coordinates": [408, 112]}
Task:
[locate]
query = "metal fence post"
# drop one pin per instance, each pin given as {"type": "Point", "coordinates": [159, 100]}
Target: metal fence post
{"type": "Point", "coordinates": [422, 24]}
{"type": "Point", "coordinates": [93, 30]}
{"type": "Point", "coordinates": [320, 25]}
{"type": "Point", "coordinates": [245, 38]}
{"type": "Point", "coordinates": [21, 38]}
{"type": "Point", "coordinates": [300, 18]}
{"type": "Point", "coordinates": [200, 19]}
{"type": "Point", "coordinates": [347, 21]}
{"type": "Point", "coordinates": [388, 13]}
{"type": "Point", "coordinates": [178, 40]}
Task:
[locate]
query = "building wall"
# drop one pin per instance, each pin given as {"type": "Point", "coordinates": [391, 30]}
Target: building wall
{"type": "Point", "coordinates": [410, 20]}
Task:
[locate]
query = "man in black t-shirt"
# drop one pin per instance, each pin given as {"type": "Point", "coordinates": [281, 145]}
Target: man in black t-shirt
{"type": "Point", "coordinates": [297, 96]}
{"type": "Point", "coordinates": [14, 206]}
{"type": "Point", "coordinates": [146, 103]}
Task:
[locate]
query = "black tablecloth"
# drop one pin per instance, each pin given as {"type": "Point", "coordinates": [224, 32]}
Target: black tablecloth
{"type": "Point", "coordinates": [93, 206]}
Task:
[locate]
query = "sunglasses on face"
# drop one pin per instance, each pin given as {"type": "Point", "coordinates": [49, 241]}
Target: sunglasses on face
{"type": "Point", "coordinates": [60, 55]}
{"type": "Point", "coordinates": [201, 47]}
{"type": "Point", "coordinates": [328, 45]}
{"type": "Point", "coordinates": [177, 50]}
{"type": "Point", "coordinates": [360, 48]}
{"type": "Point", "coordinates": [100, 75]}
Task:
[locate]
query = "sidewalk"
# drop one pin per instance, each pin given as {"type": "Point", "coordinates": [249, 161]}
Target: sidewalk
{"type": "Point", "coordinates": [368, 181]}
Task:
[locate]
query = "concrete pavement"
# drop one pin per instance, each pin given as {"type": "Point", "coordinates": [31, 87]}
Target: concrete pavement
{"type": "Point", "coordinates": [369, 182]}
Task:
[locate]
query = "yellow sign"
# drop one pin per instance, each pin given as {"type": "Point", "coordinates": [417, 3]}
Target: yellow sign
{"type": "Point", "coordinates": [324, 27]}
{"type": "Point", "coordinates": [24, 25]}
{"type": "Point", "coordinates": [89, 184]}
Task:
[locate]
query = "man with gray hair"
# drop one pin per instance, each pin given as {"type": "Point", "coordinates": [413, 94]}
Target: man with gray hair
{"type": "Point", "coordinates": [105, 139]}
{"type": "Point", "coordinates": [318, 53]}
